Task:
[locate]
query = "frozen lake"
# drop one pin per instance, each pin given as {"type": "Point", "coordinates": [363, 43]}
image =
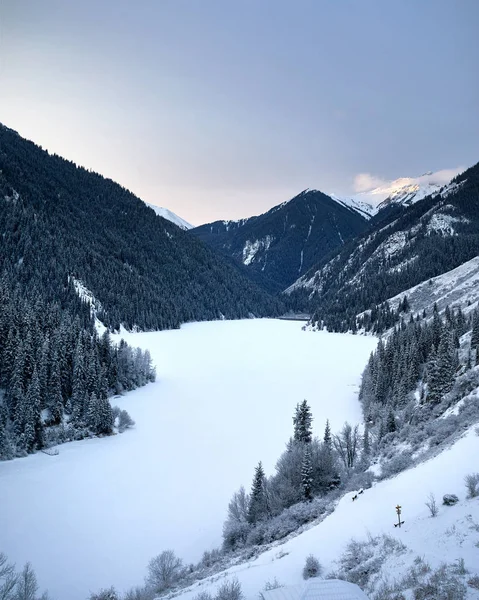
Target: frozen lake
{"type": "Point", "coordinates": [223, 400]}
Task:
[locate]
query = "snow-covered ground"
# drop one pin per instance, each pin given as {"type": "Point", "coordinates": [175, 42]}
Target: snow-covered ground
{"type": "Point", "coordinates": [95, 514]}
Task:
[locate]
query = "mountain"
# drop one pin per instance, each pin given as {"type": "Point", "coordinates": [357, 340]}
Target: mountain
{"type": "Point", "coordinates": [410, 245]}
{"type": "Point", "coordinates": [170, 216]}
{"type": "Point", "coordinates": [62, 223]}
{"type": "Point", "coordinates": [283, 243]}
{"type": "Point", "coordinates": [406, 191]}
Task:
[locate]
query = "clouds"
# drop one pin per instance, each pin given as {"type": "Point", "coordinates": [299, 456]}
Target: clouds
{"type": "Point", "coordinates": [375, 189]}
{"type": "Point", "coordinates": [364, 182]}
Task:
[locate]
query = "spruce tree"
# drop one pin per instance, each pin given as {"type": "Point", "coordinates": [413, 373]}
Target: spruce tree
{"type": "Point", "coordinates": [307, 474]}
{"type": "Point", "coordinates": [302, 420]}
{"type": "Point", "coordinates": [475, 330]}
{"type": "Point", "coordinates": [391, 422]}
{"type": "Point", "coordinates": [258, 509]}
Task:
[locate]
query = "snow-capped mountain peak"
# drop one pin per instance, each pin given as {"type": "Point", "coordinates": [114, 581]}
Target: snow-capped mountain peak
{"type": "Point", "coordinates": [170, 216]}
{"type": "Point", "coordinates": [365, 209]}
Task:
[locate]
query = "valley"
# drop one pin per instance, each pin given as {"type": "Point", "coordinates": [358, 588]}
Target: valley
{"type": "Point", "coordinates": [223, 400]}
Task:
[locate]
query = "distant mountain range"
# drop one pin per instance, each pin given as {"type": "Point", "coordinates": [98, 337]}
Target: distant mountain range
{"type": "Point", "coordinates": [411, 240]}
{"type": "Point", "coordinates": [283, 243]}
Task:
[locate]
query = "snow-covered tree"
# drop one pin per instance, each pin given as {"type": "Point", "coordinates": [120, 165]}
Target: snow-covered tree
{"type": "Point", "coordinates": [302, 420]}
{"type": "Point", "coordinates": [307, 474]}
{"type": "Point", "coordinates": [164, 571]}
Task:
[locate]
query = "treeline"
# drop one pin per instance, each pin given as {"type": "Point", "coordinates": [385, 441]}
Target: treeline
{"type": "Point", "coordinates": [56, 375]}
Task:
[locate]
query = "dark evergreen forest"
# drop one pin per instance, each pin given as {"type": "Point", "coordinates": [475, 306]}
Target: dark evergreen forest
{"type": "Point", "coordinates": [60, 220]}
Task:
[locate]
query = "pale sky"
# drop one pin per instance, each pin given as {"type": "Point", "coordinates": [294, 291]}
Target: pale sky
{"type": "Point", "coordinates": [223, 109]}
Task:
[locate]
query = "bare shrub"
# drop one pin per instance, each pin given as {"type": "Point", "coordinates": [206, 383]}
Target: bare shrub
{"type": "Point", "coordinates": [203, 596]}
{"type": "Point", "coordinates": [471, 482]}
{"type": "Point", "coordinates": [473, 582]}
{"type": "Point", "coordinates": [312, 567]}
{"type": "Point", "coordinates": [230, 590]}
{"type": "Point", "coordinates": [432, 505]}
{"type": "Point", "coordinates": [272, 585]}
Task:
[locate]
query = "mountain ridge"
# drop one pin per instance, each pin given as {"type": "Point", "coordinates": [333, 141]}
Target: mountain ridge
{"type": "Point", "coordinates": [284, 242]}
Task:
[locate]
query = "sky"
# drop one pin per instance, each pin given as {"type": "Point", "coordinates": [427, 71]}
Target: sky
{"type": "Point", "coordinates": [221, 109]}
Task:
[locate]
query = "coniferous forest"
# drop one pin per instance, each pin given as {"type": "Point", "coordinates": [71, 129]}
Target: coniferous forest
{"type": "Point", "coordinates": [62, 224]}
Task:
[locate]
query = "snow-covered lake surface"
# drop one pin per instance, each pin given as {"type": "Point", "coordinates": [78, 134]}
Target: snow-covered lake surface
{"type": "Point", "coordinates": [95, 514]}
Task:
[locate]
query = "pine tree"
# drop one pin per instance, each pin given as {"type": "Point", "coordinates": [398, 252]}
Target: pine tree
{"type": "Point", "coordinates": [366, 442]}
{"type": "Point", "coordinates": [54, 400]}
{"type": "Point", "coordinates": [391, 422]}
{"type": "Point", "coordinates": [307, 474]}
{"type": "Point", "coordinates": [303, 431]}
{"type": "Point", "coordinates": [475, 330]}
{"type": "Point", "coordinates": [258, 507]}
{"type": "Point", "coordinates": [327, 438]}
{"type": "Point", "coordinates": [434, 379]}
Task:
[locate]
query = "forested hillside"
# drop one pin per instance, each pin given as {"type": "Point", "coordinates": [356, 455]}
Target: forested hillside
{"type": "Point", "coordinates": [60, 220]}
{"type": "Point", "coordinates": [408, 246]}
{"type": "Point", "coordinates": [66, 230]}
{"type": "Point", "coordinates": [283, 243]}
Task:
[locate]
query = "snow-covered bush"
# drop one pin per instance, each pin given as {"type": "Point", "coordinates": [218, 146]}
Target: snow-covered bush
{"type": "Point", "coordinates": [472, 484]}
{"type": "Point", "coordinates": [360, 480]}
{"type": "Point", "coordinates": [140, 593]}
{"type": "Point", "coordinates": [124, 421]}
{"type": "Point", "coordinates": [450, 499]}
{"type": "Point", "coordinates": [230, 590]}
{"type": "Point", "coordinates": [442, 584]}
{"type": "Point", "coordinates": [441, 429]}
{"type": "Point", "coordinates": [399, 463]}
{"type": "Point", "coordinates": [109, 594]}
{"type": "Point", "coordinates": [312, 567]}
{"type": "Point", "coordinates": [272, 585]}
{"type": "Point", "coordinates": [361, 561]}
{"type": "Point", "coordinates": [203, 596]}
{"type": "Point", "coordinates": [474, 582]}
{"type": "Point", "coordinates": [235, 534]}
{"type": "Point", "coordinates": [164, 571]}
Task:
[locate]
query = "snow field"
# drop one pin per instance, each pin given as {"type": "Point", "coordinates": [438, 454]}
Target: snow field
{"type": "Point", "coordinates": [95, 514]}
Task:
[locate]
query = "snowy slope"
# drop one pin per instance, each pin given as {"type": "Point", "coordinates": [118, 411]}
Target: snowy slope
{"type": "Point", "coordinates": [458, 287]}
{"type": "Point", "coordinates": [365, 209]}
{"type": "Point", "coordinates": [452, 535]}
{"type": "Point", "coordinates": [225, 394]}
{"type": "Point", "coordinates": [171, 216]}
